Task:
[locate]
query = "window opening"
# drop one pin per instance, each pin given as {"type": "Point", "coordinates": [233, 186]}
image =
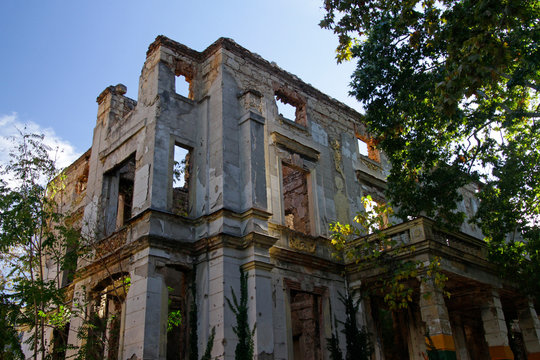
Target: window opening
{"type": "Point", "coordinates": [392, 330]}
{"type": "Point", "coordinates": [125, 199]}
{"type": "Point", "coordinates": [286, 110]}
{"type": "Point", "coordinates": [60, 342]}
{"type": "Point", "coordinates": [290, 108]}
{"type": "Point", "coordinates": [181, 175]}
{"type": "Point", "coordinates": [82, 181]}
{"type": "Point", "coordinates": [182, 86]}
{"type": "Point", "coordinates": [118, 194]}
{"type": "Point", "coordinates": [366, 147]}
{"type": "Point", "coordinates": [363, 147]}
{"type": "Point", "coordinates": [295, 199]}
{"type": "Point", "coordinates": [306, 310]}
{"type": "Point", "coordinates": [104, 335]}
{"type": "Point", "coordinates": [177, 331]}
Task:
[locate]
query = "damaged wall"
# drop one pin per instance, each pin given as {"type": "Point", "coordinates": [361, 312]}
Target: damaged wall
{"type": "Point", "coordinates": [259, 192]}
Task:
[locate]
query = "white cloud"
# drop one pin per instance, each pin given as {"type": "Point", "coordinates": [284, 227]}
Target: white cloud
{"type": "Point", "coordinates": [62, 150]}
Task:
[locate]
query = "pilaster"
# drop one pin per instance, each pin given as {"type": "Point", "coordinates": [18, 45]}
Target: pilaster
{"type": "Point", "coordinates": [439, 338]}
{"type": "Point", "coordinates": [145, 334]}
{"type": "Point", "coordinates": [495, 330]}
{"type": "Point", "coordinates": [252, 158]}
{"type": "Point", "coordinates": [261, 307]}
{"type": "Point", "coordinates": [530, 329]}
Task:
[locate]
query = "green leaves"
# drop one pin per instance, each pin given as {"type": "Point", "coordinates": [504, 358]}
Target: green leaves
{"type": "Point", "coordinates": [37, 246]}
{"type": "Point", "coordinates": [174, 319]}
{"type": "Point", "coordinates": [451, 93]}
{"type": "Point", "coordinates": [366, 243]}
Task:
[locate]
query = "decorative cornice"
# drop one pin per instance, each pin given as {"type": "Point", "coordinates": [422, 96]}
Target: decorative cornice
{"type": "Point", "coordinates": [235, 242]}
{"type": "Point", "coordinates": [302, 259]}
{"type": "Point", "coordinates": [257, 265]}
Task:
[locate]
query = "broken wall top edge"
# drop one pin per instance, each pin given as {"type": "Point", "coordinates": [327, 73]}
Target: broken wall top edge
{"type": "Point", "coordinates": [230, 45]}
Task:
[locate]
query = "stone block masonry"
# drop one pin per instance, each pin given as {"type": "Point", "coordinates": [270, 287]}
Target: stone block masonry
{"type": "Point", "coordinates": [259, 191]}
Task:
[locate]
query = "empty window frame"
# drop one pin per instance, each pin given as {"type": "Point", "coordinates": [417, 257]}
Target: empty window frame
{"type": "Point", "coordinates": [182, 86]}
{"type": "Point", "coordinates": [118, 186]}
{"type": "Point", "coordinates": [183, 82]}
{"type": "Point", "coordinates": [306, 311]}
{"type": "Point", "coordinates": [296, 199]}
{"type": "Point", "coordinates": [178, 286]}
{"type": "Point", "coordinates": [291, 108]}
{"type": "Point", "coordinates": [105, 333]}
{"type": "Point", "coordinates": [181, 175]}
{"type": "Point", "coordinates": [366, 147]}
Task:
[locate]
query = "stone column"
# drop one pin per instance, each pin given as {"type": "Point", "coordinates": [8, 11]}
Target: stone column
{"type": "Point", "coordinates": [145, 334]}
{"type": "Point", "coordinates": [252, 159]}
{"type": "Point", "coordinates": [460, 339]}
{"type": "Point", "coordinates": [530, 329]}
{"type": "Point", "coordinates": [260, 308]}
{"type": "Point", "coordinates": [495, 330]}
{"type": "Point", "coordinates": [439, 338]}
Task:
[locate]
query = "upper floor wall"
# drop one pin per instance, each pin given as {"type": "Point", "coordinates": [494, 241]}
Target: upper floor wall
{"type": "Point", "coordinates": [226, 144]}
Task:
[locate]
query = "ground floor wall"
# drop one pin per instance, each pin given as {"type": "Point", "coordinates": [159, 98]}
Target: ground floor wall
{"type": "Point", "coordinates": [122, 308]}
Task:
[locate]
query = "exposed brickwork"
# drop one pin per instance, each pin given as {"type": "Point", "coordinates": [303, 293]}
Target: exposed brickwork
{"type": "Point", "coordinates": [305, 318]}
{"type": "Point", "coordinates": [295, 199]}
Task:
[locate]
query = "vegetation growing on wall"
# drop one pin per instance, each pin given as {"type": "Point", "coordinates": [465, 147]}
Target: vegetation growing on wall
{"type": "Point", "coordinates": [245, 347]}
{"type": "Point", "coordinates": [381, 251]}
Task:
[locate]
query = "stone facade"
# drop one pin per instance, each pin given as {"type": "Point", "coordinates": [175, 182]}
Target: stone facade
{"type": "Point", "coordinates": [259, 191]}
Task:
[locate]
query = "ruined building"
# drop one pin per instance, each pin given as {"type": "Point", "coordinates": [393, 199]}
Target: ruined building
{"type": "Point", "coordinates": [216, 179]}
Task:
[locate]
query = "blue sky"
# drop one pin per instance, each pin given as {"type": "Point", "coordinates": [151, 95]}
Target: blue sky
{"type": "Point", "coordinates": [57, 56]}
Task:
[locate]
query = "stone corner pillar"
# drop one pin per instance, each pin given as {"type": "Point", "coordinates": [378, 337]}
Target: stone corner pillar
{"type": "Point", "coordinates": [530, 329]}
{"type": "Point", "coordinates": [258, 267]}
{"type": "Point", "coordinates": [260, 307]}
{"type": "Point", "coordinates": [495, 330]}
{"type": "Point", "coordinates": [439, 338]}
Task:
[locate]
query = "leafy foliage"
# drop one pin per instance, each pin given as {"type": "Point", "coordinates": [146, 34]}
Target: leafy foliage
{"type": "Point", "coordinates": [174, 318]}
{"type": "Point", "coordinates": [10, 348]}
{"type": "Point", "coordinates": [32, 232]}
{"type": "Point", "coordinates": [383, 252]}
{"type": "Point", "coordinates": [450, 90]}
{"type": "Point", "coordinates": [245, 347]}
{"type": "Point", "coordinates": [332, 344]}
{"type": "Point", "coordinates": [359, 346]}
{"type": "Point", "coordinates": [209, 345]}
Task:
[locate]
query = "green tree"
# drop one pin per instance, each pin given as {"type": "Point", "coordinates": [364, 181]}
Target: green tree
{"type": "Point", "coordinates": [10, 347]}
{"type": "Point", "coordinates": [32, 231]}
{"type": "Point", "coordinates": [450, 91]}
{"type": "Point", "coordinates": [332, 345]}
{"type": "Point", "coordinates": [358, 343]}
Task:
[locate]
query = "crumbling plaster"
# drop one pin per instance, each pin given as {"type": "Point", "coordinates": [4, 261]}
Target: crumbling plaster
{"type": "Point", "coordinates": [238, 146]}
